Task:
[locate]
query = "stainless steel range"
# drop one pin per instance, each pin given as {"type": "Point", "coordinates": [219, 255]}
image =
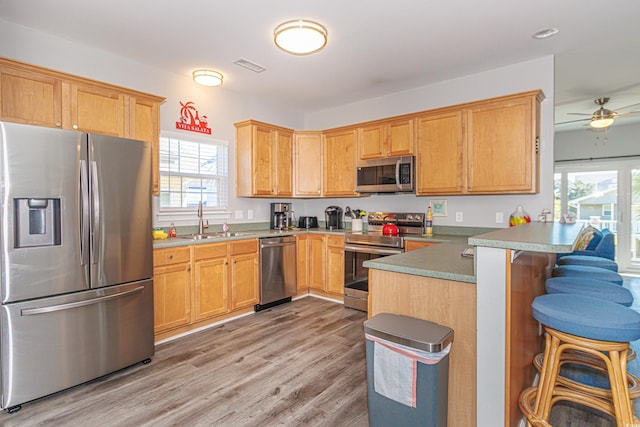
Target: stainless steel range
{"type": "Point", "coordinates": [363, 246]}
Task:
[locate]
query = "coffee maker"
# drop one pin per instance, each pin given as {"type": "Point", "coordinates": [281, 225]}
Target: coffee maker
{"type": "Point", "coordinates": [333, 217]}
{"type": "Point", "coordinates": [280, 216]}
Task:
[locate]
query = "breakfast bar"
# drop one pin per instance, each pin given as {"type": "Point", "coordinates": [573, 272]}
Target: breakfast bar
{"type": "Point", "coordinates": [486, 299]}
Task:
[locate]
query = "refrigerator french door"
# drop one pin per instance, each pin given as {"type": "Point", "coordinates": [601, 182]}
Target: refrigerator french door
{"type": "Point", "coordinates": [76, 258]}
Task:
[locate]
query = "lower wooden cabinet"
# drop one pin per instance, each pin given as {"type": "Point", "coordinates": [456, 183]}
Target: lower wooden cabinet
{"type": "Point", "coordinates": [335, 265]}
{"type": "Point", "coordinates": [193, 284]}
{"type": "Point", "coordinates": [171, 288]}
{"type": "Point", "coordinates": [302, 263]}
{"type": "Point", "coordinates": [325, 263]}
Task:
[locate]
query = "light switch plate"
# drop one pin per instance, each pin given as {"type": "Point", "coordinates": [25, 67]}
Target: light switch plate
{"type": "Point", "coordinates": [250, 214]}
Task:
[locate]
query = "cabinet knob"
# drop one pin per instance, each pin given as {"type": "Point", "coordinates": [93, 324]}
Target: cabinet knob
{"type": "Point", "coordinates": [75, 126]}
{"type": "Point", "coordinates": [58, 124]}
{"type": "Point", "coordinates": [170, 256]}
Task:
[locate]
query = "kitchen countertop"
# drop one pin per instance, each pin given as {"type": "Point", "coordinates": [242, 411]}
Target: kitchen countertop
{"type": "Point", "coordinates": [241, 235]}
{"type": "Point", "coordinates": [443, 261]}
{"type": "Point", "coordinates": [549, 237]}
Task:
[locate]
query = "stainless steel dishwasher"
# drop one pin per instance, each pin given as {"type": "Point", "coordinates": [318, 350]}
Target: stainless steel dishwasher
{"type": "Point", "coordinates": [277, 271]}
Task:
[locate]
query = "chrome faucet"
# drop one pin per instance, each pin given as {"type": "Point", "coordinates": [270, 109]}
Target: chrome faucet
{"type": "Point", "coordinates": [201, 223]}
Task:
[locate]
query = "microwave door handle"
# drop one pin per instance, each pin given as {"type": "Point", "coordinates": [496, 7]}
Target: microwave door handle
{"type": "Point", "coordinates": [398, 175]}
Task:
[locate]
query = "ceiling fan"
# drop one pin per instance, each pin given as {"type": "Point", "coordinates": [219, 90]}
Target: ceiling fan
{"type": "Point", "coordinates": [602, 118]}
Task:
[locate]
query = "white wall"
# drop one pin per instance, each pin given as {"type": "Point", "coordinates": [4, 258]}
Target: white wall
{"type": "Point", "coordinates": [620, 140]}
{"type": "Point", "coordinates": [477, 210]}
{"type": "Point", "coordinates": [224, 107]}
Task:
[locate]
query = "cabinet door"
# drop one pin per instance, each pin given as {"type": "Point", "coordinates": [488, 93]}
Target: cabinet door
{"type": "Point", "coordinates": [283, 160]}
{"type": "Point", "coordinates": [144, 125]}
{"type": "Point", "coordinates": [171, 296]}
{"type": "Point", "coordinates": [263, 165]}
{"type": "Point", "coordinates": [340, 163]}
{"type": "Point", "coordinates": [440, 154]}
{"type": "Point", "coordinates": [317, 245]}
{"type": "Point", "coordinates": [93, 109]}
{"type": "Point", "coordinates": [335, 265]}
{"type": "Point", "coordinates": [371, 142]}
{"type": "Point", "coordinates": [302, 262]}
{"type": "Point", "coordinates": [30, 98]}
{"type": "Point", "coordinates": [211, 287]}
{"type": "Point", "coordinates": [400, 140]}
{"type": "Point", "coordinates": [502, 157]}
{"type": "Point", "coordinates": [244, 280]}
{"type": "Point", "coordinates": [308, 164]}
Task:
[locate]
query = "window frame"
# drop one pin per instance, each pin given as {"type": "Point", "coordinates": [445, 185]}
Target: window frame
{"type": "Point", "coordinates": [182, 214]}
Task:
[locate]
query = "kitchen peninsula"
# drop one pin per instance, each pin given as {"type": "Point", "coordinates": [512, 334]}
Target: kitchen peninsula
{"type": "Point", "coordinates": [486, 299]}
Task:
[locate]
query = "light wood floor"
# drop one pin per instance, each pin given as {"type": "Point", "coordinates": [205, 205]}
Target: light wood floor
{"type": "Point", "coordinates": [296, 364]}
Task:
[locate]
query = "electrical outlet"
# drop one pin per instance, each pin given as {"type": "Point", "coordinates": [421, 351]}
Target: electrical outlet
{"type": "Point", "coordinates": [458, 216]}
{"type": "Point", "coordinates": [250, 214]}
{"type": "Point", "coordinates": [499, 217]}
{"type": "Point", "coordinates": [239, 214]}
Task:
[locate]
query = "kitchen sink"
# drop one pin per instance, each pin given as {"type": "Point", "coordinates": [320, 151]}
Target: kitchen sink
{"type": "Point", "coordinates": [231, 234]}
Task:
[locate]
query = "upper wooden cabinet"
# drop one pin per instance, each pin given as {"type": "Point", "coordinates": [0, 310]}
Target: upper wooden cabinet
{"type": "Point", "coordinates": [390, 138]}
{"type": "Point", "coordinates": [307, 163]}
{"type": "Point", "coordinates": [42, 97]}
{"type": "Point", "coordinates": [487, 147]}
{"type": "Point", "coordinates": [339, 163]}
{"type": "Point", "coordinates": [263, 160]}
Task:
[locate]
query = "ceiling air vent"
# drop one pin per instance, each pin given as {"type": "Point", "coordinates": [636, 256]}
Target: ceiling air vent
{"type": "Point", "coordinates": [245, 63]}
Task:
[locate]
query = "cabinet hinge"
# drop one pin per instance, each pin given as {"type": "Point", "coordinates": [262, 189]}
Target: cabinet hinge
{"type": "Point", "coordinates": [537, 145]}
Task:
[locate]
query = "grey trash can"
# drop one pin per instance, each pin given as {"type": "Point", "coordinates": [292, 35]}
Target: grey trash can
{"type": "Point", "coordinates": [395, 345]}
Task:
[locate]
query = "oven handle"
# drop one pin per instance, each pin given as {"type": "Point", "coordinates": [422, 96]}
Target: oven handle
{"type": "Point", "coordinates": [372, 250]}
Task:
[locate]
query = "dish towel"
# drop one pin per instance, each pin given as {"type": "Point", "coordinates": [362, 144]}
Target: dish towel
{"type": "Point", "coordinates": [395, 369]}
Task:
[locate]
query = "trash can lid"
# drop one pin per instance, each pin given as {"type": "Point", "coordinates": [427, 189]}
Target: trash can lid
{"type": "Point", "coordinates": [409, 331]}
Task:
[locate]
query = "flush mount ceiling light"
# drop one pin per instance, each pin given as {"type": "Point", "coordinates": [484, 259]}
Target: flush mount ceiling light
{"type": "Point", "coordinates": [545, 33]}
{"type": "Point", "coordinates": [207, 77]}
{"type": "Point", "coordinates": [300, 37]}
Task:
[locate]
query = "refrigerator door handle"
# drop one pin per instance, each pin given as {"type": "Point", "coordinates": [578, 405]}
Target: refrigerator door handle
{"type": "Point", "coordinates": [83, 189]}
{"type": "Point", "coordinates": [60, 307]}
{"type": "Point", "coordinates": [95, 203]}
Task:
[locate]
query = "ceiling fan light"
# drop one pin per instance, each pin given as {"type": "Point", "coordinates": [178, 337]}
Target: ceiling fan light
{"type": "Point", "coordinates": [601, 123]}
{"type": "Point", "coordinates": [207, 77]}
{"type": "Point", "coordinates": [300, 37]}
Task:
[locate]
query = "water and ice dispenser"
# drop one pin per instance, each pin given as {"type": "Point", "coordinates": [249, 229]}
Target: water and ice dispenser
{"type": "Point", "coordinates": [37, 222]}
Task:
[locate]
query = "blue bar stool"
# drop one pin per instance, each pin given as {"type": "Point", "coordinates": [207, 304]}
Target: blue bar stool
{"type": "Point", "coordinates": [587, 272]}
{"type": "Point", "coordinates": [590, 261]}
{"type": "Point", "coordinates": [602, 329]}
{"type": "Point", "coordinates": [589, 287]}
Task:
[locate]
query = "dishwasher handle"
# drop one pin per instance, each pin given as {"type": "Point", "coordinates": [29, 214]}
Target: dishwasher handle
{"type": "Point", "coordinates": [274, 242]}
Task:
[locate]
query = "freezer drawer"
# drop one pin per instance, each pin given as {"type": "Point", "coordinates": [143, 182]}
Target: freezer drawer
{"type": "Point", "coordinates": [54, 343]}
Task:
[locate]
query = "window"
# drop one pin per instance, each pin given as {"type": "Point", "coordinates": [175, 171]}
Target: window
{"type": "Point", "coordinates": [192, 170]}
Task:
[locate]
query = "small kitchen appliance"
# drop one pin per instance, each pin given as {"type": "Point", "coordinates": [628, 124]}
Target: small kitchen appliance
{"type": "Point", "coordinates": [308, 222]}
{"type": "Point", "coordinates": [280, 216]}
{"type": "Point", "coordinates": [333, 217]}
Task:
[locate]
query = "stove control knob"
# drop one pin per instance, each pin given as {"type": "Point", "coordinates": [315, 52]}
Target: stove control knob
{"type": "Point", "coordinates": [409, 217]}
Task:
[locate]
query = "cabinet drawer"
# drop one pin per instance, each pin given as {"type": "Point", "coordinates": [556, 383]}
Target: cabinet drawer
{"type": "Point", "coordinates": [166, 256]}
{"type": "Point", "coordinates": [335, 241]}
{"type": "Point", "coordinates": [214, 250]}
{"type": "Point", "coordinates": [244, 247]}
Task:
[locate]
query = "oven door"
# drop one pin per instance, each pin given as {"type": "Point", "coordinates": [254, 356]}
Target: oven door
{"type": "Point", "coordinates": [356, 280]}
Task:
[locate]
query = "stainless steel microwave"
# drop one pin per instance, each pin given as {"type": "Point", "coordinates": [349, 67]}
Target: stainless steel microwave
{"type": "Point", "coordinates": [391, 175]}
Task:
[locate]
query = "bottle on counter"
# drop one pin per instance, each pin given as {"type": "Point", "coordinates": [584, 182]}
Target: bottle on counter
{"type": "Point", "coordinates": [428, 224]}
{"type": "Point", "coordinates": [225, 227]}
{"type": "Point", "coordinates": [172, 230]}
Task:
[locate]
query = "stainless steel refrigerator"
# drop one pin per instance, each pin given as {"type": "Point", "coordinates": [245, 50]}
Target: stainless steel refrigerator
{"type": "Point", "coordinates": [76, 258]}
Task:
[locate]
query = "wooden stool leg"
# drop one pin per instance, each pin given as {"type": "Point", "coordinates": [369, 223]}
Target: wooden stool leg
{"type": "Point", "coordinates": [548, 376]}
{"type": "Point", "coordinates": [620, 388]}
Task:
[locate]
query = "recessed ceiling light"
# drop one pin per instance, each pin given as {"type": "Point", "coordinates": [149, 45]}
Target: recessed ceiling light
{"type": "Point", "coordinates": [207, 77]}
{"type": "Point", "coordinates": [300, 37]}
{"type": "Point", "coordinates": [545, 33]}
